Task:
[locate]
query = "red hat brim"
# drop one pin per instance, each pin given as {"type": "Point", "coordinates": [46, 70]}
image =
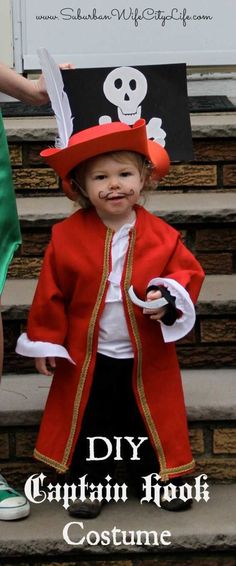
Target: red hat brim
{"type": "Point", "coordinates": [104, 138]}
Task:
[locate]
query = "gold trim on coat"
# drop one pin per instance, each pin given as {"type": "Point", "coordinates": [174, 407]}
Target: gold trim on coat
{"type": "Point", "coordinates": [164, 471]}
{"type": "Point", "coordinates": [50, 462]}
{"type": "Point", "coordinates": [63, 466]}
{"type": "Point", "coordinates": [140, 387]}
{"type": "Point", "coordinates": [89, 349]}
{"type": "Point", "coordinates": [184, 468]}
{"type": "Point", "coordinates": [165, 474]}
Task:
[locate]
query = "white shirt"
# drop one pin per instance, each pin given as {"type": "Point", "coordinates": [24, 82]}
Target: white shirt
{"type": "Point", "coordinates": [114, 340]}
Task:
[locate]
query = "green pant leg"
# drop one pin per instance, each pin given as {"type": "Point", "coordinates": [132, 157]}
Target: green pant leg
{"type": "Point", "coordinates": [10, 237]}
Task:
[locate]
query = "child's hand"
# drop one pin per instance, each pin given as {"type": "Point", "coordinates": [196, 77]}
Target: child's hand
{"type": "Point", "coordinates": [42, 364]}
{"type": "Point", "coordinates": [156, 314]}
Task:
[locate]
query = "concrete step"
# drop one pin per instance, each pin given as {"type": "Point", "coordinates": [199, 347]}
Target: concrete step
{"type": "Point", "coordinates": [218, 295]}
{"type": "Point", "coordinates": [205, 531]}
{"type": "Point", "coordinates": [205, 206]}
{"type": "Point", "coordinates": [203, 125]}
{"type": "Point", "coordinates": [23, 397]}
{"type": "Point", "coordinates": [210, 397]}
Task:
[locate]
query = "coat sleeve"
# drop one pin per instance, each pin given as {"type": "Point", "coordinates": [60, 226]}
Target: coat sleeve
{"type": "Point", "coordinates": [47, 320]}
{"type": "Point", "coordinates": [184, 268]}
{"type": "Point", "coordinates": [183, 277]}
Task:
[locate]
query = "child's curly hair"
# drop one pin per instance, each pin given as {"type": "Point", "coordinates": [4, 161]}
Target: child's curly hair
{"type": "Point", "coordinates": [78, 174]}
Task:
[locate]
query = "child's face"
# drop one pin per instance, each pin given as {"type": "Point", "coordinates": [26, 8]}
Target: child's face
{"type": "Point", "coordinates": [113, 185]}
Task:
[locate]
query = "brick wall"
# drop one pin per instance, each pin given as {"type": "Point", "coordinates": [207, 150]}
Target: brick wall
{"type": "Point", "coordinates": [16, 450]}
{"type": "Point", "coordinates": [213, 446]}
{"type": "Point", "coordinates": [211, 344]}
{"type": "Point", "coordinates": [214, 168]}
{"type": "Point", "coordinates": [214, 246]}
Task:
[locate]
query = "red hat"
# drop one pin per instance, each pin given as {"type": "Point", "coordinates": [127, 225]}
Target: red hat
{"type": "Point", "coordinates": [104, 138]}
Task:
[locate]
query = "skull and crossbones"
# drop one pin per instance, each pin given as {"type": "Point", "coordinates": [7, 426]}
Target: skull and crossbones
{"type": "Point", "coordinates": [126, 88]}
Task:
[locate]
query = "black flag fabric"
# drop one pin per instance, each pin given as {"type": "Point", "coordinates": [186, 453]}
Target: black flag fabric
{"type": "Point", "coordinates": [157, 93]}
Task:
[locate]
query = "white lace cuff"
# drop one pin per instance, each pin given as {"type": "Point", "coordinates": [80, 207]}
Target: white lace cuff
{"type": "Point", "coordinates": [37, 349]}
{"type": "Point", "coordinates": [183, 303]}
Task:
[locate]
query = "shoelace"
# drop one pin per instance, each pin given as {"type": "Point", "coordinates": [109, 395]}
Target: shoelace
{"type": "Point", "coordinates": [5, 487]}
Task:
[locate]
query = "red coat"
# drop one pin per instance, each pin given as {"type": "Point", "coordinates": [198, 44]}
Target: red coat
{"type": "Point", "coordinates": [66, 309]}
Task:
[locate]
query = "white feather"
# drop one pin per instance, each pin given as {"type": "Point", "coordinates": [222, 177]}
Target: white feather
{"type": "Point", "coordinates": [59, 99]}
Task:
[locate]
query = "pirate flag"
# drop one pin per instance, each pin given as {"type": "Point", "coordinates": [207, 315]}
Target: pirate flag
{"type": "Point", "coordinates": [82, 98]}
{"type": "Point", "coordinates": [157, 93]}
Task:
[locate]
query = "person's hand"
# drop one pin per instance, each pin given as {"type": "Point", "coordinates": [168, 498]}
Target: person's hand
{"type": "Point", "coordinates": [64, 66]}
{"type": "Point", "coordinates": [43, 365]}
{"type": "Point", "coordinates": [40, 95]}
{"type": "Point", "coordinates": [155, 314]}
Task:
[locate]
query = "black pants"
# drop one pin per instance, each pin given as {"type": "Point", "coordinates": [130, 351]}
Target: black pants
{"type": "Point", "coordinates": [112, 411]}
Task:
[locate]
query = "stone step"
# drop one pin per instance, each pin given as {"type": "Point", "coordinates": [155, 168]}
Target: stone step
{"type": "Point", "coordinates": [196, 207]}
{"type": "Point", "coordinates": [23, 396]}
{"type": "Point", "coordinates": [210, 397]}
{"type": "Point", "coordinates": [205, 534]}
{"type": "Point", "coordinates": [218, 296]}
{"type": "Point", "coordinates": [203, 125]}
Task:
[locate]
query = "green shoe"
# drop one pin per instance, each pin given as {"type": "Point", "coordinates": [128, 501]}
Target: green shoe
{"type": "Point", "coordinates": [13, 505]}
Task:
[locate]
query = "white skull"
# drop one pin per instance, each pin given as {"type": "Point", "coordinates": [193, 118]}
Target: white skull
{"type": "Point", "coordinates": [126, 87]}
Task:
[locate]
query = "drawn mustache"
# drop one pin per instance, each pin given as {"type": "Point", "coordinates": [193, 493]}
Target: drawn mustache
{"type": "Point", "coordinates": [108, 195]}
